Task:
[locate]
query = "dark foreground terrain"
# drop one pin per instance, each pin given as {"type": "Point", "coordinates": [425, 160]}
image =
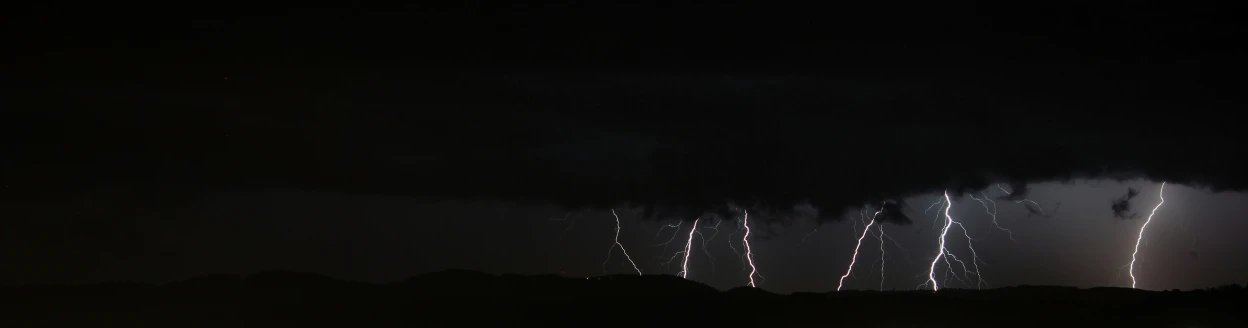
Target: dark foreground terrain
{"type": "Point", "coordinates": [462, 298]}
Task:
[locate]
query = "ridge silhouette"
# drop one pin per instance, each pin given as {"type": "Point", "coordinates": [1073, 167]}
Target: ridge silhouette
{"type": "Point", "coordinates": [462, 297]}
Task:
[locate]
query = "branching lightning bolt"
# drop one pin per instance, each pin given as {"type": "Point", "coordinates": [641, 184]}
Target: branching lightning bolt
{"type": "Point", "coordinates": [1161, 194]}
{"type": "Point", "coordinates": [668, 243]}
{"type": "Point", "coordinates": [944, 254]}
{"type": "Point", "coordinates": [974, 257]}
{"type": "Point", "coordinates": [617, 244]}
{"type": "Point", "coordinates": [664, 227]}
{"type": "Point", "coordinates": [705, 240]}
{"type": "Point", "coordinates": [854, 259]}
{"type": "Point", "coordinates": [684, 266]}
{"type": "Point", "coordinates": [936, 218]}
{"type": "Point", "coordinates": [940, 253]}
{"type": "Point", "coordinates": [749, 254]}
{"type": "Point", "coordinates": [992, 212]}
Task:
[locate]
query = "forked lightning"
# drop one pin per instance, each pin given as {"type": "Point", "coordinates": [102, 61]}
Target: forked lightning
{"type": "Point", "coordinates": [621, 246]}
{"type": "Point", "coordinates": [1140, 237]}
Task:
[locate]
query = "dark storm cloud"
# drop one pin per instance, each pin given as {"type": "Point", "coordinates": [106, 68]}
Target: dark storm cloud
{"type": "Point", "coordinates": [677, 152]}
{"type": "Point", "coordinates": [567, 109]}
{"type": "Point", "coordinates": [1018, 191]}
{"type": "Point", "coordinates": [1122, 205]}
{"type": "Point", "coordinates": [891, 212]}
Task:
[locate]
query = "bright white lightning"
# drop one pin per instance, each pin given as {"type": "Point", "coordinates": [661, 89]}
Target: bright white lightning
{"type": "Point", "coordinates": [684, 266]}
{"type": "Point", "coordinates": [1161, 194]}
{"type": "Point", "coordinates": [974, 258]}
{"type": "Point", "coordinates": [940, 254]}
{"type": "Point", "coordinates": [621, 246]}
{"type": "Point", "coordinates": [854, 259]}
{"type": "Point", "coordinates": [749, 254]}
{"type": "Point", "coordinates": [992, 212]}
{"type": "Point", "coordinates": [944, 254]}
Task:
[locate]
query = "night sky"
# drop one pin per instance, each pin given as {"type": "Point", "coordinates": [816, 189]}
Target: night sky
{"type": "Point", "coordinates": [372, 143]}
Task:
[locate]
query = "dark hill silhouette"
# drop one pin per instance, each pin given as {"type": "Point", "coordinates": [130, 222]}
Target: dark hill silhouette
{"type": "Point", "coordinates": [213, 280]}
{"type": "Point", "coordinates": [751, 293]}
{"type": "Point", "coordinates": [466, 298]}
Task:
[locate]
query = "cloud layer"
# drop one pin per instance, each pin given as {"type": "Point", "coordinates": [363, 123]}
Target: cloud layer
{"type": "Point", "coordinates": [584, 112]}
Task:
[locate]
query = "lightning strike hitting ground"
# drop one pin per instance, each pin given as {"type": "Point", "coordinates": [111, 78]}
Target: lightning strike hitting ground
{"type": "Point", "coordinates": [621, 246]}
{"type": "Point", "coordinates": [944, 254]}
{"type": "Point", "coordinates": [940, 253]}
{"type": "Point", "coordinates": [749, 254]}
{"type": "Point", "coordinates": [881, 238]}
{"type": "Point", "coordinates": [992, 212]}
{"type": "Point", "coordinates": [1161, 194]}
{"type": "Point", "coordinates": [684, 266]}
{"type": "Point", "coordinates": [854, 259]}
{"type": "Point", "coordinates": [974, 258]}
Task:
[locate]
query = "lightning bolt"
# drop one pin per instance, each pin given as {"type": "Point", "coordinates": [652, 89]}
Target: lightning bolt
{"type": "Point", "coordinates": [705, 240]}
{"type": "Point", "coordinates": [569, 225]}
{"type": "Point", "coordinates": [740, 255]}
{"type": "Point", "coordinates": [854, 259]}
{"type": "Point", "coordinates": [992, 212]}
{"type": "Point", "coordinates": [1161, 194]}
{"type": "Point", "coordinates": [668, 243]}
{"type": "Point", "coordinates": [811, 233]}
{"type": "Point", "coordinates": [895, 243]}
{"type": "Point", "coordinates": [621, 246]}
{"type": "Point", "coordinates": [944, 254]}
{"type": "Point", "coordinates": [749, 254]}
{"type": "Point", "coordinates": [881, 238]}
{"type": "Point", "coordinates": [974, 257]}
{"type": "Point", "coordinates": [684, 266]}
{"type": "Point", "coordinates": [940, 254]}
{"type": "Point", "coordinates": [677, 226]}
{"type": "Point", "coordinates": [936, 218]}
{"type": "Point", "coordinates": [1024, 200]}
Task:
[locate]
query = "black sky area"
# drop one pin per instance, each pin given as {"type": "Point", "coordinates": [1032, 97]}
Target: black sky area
{"type": "Point", "coordinates": [131, 131]}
